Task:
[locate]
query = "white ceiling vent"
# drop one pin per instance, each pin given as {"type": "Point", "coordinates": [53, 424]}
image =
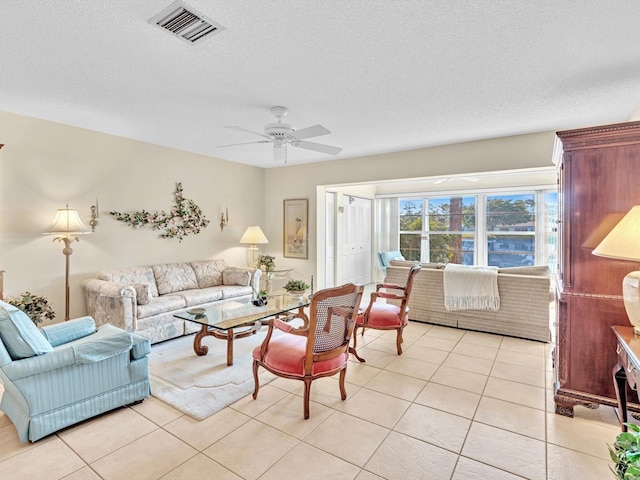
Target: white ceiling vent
{"type": "Point", "coordinates": [183, 22]}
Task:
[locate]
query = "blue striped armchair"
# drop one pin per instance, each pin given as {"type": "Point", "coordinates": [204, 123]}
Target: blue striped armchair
{"type": "Point", "coordinates": [68, 372]}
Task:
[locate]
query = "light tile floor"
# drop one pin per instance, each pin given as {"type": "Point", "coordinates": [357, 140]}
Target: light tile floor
{"type": "Point", "coordinates": [456, 405]}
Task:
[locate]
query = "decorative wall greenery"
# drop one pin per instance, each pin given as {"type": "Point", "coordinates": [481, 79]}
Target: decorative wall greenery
{"type": "Point", "coordinates": [184, 219]}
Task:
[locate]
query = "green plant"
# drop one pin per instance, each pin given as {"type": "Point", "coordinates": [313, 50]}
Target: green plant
{"type": "Point", "coordinates": [262, 294]}
{"type": "Point", "coordinates": [296, 286]}
{"type": "Point", "coordinates": [626, 453]}
{"type": "Point", "coordinates": [36, 307]}
{"type": "Point", "coordinates": [268, 261]}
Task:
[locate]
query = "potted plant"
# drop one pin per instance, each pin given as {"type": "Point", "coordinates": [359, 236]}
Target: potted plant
{"type": "Point", "coordinates": [625, 453]}
{"type": "Point", "coordinates": [296, 287]}
{"type": "Point", "coordinates": [267, 261]}
{"type": "Point", "coordinates": [36, 307]}
{"type": "Point", "coordinates": [261, 298]}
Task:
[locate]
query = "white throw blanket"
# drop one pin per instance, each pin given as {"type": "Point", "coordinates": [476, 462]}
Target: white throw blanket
{"type": "Point", "coordinates": [469, 287]}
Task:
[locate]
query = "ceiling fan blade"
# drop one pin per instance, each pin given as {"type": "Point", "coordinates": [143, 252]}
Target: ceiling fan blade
{"type": "Point", "coordinates": [240, 129]}
{"type": "Point", "coordinates": [317, 147]}
{"type": "Point", "coordinates": [280, 153]}
{"type": "Point", "coordinates": [314, 131]}
{"type": "Point", "coordinates": [245, 143]}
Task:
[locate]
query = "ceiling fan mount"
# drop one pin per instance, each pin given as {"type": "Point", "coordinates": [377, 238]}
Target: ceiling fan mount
{"type": "Point", "coordinates": [281, 134]}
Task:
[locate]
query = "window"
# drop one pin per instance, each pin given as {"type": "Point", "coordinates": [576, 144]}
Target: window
{"type": "Point", "coordinates": [497, 229]}
{"type": "Point", "coordinates": [510, 224]}
{"type": "Point", "coordinates": [450, 236]}
{"type": "Point", "coordinates": [410, 228]}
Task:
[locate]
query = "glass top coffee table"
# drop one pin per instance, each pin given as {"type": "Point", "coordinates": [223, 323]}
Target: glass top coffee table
{"type": "Point", "coordinates": [221, 321]}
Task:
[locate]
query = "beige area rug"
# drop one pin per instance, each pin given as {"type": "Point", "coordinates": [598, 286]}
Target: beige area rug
{"type": "Point", "coordinates": [201, 386]}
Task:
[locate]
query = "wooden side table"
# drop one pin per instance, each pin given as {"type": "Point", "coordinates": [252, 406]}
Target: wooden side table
{"type": "Point", "coordinates": [627, 368]}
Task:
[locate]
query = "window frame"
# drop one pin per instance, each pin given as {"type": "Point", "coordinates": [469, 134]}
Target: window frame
{"type": "Point", "coordinates": [481, 254]}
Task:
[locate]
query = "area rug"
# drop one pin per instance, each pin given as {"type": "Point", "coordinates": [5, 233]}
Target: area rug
{"type": "Point", "coordinates": [201, 386]}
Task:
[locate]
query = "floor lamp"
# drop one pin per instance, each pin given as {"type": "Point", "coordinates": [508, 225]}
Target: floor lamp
{"type": "Point", "coordinates": [253, 235]}
{"type": "Point", "coordinates": [66, 225]}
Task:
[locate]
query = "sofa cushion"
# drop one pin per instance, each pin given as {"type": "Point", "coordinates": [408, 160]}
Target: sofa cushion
{"type": "Point", "coordinates": [20, 335]}
{"type": "Point", "coordinates": [199, 296]}
{"type": "Point", "coordinates": [232, 291]}
{"type": "Point", "coordinates": [143, 293]}
{"type": "Point", "coordinates": [209, 272]}
{"type": "Point", "coordinates": [164, 304]}
{"type": "Point", "coordinates": [236, 276]}
{"type": "Point", "coordinates": [131, 276]}
{"type": "Point", "coordinates": [538, 270]}
{"type": "Point", "coordinates": [174, 277]}
{"type": "Point", "coordinates": [411, 263]}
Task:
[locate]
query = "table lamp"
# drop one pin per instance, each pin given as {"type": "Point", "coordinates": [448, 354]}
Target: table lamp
{"type": "Point", "coordinates": [66, 225]}
{"type": "Point", "coordinates": [253, 235]}
{"type": "Point", "coordinates": [623, 243]}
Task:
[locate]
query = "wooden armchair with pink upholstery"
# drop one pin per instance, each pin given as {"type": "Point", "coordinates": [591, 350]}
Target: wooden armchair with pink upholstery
{"type": "Point", "coordinates": [319, 348]}
{"type": "Point", "coordinates": [385, 315]}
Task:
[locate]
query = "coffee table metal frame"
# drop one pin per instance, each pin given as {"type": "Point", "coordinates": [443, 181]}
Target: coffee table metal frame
{"type": "Point", "coordinates": [221, 321]}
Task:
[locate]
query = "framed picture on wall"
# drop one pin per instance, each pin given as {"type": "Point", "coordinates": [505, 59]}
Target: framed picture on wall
{"type": "Point", "coordinates": [296, 226]}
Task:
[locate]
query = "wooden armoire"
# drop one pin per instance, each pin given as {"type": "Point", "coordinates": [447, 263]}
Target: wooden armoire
{"type": "Point", "coordinates": [599, 182]}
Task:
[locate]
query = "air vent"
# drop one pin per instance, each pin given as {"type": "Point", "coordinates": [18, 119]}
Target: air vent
{"type": "Point", "coordinates": [183, 22]}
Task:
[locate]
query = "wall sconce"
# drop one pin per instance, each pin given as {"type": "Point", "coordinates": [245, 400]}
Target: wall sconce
{"type": "Point", "coordinates": [224, 219]}
{"type": "Point", "coordinates": [94, 216]}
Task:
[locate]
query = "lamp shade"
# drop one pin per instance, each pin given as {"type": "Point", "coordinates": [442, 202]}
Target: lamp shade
{"type": "Point", "coordinates": [623, 242]}
{"type": "Point", "coordinates": [67, 222]}
{"type": "Point", "coordinates": [253, 235]}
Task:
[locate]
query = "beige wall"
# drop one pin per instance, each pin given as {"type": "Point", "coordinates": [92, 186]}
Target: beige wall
{"type": "Point", "coordinates": [309, 181]}
{"type": "Point", "coordinates": [44, 165]}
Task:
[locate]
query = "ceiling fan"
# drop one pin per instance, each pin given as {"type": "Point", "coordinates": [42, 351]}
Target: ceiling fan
{"type": "Point", "coordinates": [281, 134]}
{"type": "Point", "coordinates": [453, 179]}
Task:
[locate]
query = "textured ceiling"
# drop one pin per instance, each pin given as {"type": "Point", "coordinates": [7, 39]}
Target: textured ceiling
{"type": "Point", "coordinates": [382, 75]}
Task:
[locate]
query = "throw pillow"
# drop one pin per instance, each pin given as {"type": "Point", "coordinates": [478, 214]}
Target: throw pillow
{"type": "Point", "coordinates": [236, 277]}
{"type": "Point", "coordinates": [174, 277]}
{"type": "Point", "coordinates": [209, 272]}
{"type": "Point", "coordinates": [143, 293]}
{"type": "Point", "coordinates": [130, 276]}
{"type": "Point", "coordinates": [20, 335]}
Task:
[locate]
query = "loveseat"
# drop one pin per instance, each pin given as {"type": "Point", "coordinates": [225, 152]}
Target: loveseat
{"type": "Point", "coordinates": [524, 301]}
{"type": "Point", "coordinates": [145, 299]}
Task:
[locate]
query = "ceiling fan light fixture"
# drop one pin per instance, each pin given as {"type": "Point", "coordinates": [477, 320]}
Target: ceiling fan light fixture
{"type": "Point", "coordinates": [281, 134]}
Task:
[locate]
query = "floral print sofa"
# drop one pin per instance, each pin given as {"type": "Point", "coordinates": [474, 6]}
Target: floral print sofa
{"type": "Point", "coordinates": [144, 299]}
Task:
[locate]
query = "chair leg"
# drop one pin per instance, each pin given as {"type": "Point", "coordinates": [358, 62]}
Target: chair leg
{"type": "Point", "coordinates": [307, 394]}
{"type": "Point", "coordinates": [353, 349]}
{"type": "Point", "coordinates": [255, 379]}
{"type": "Point", "coordinates": [399, 340]}
{"type": "Point", "coordinates": [343, 391]}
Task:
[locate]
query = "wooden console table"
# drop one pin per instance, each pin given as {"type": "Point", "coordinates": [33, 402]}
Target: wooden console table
{"type": "Point", "coordinates": [627, 368]}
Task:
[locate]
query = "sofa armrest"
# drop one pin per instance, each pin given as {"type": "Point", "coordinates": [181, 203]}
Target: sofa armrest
{"type": "Point", "coordinates": [255, 273]}
{"type": "Point", "coordinates": [141, 346]}
{"type": "Point", "coordinates": [109, 302]}
{"type": "Point", "coordinates": [65, 332]}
